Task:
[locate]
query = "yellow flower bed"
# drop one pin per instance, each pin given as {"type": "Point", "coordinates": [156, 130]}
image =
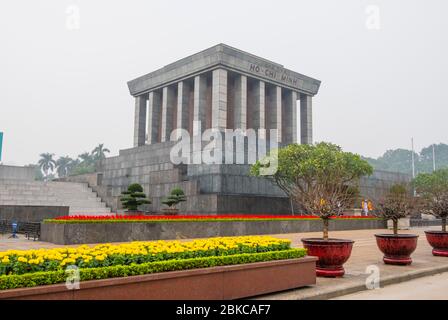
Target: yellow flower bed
{"type": "Point", "coordinates": [84, 256]}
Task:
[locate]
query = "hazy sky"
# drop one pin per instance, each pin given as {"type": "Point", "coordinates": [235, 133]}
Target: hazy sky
{"type": "Point", "coordinates": [63, 88]}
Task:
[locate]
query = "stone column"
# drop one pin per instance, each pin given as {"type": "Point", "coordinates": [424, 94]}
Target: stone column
{"type": "Point", "coordinates": [199, 103]}
{"type": "Point", "coordinates": [140, 121]}
{"type": "Point", "coordinates": [183, 98]}
{"type": "Point", "coordinates": [154, 113]}
{"type": "Point", "coordinates": [240, 105]}
{"type": "Point", "coordinates": [289, 118]}
{"type": "Point", "coordinates": [219, 99]}
{"type": "Point", "coordinates": [275, 111]}
{"type": "Point", "coordinates": [306, 119]}
{"type": "Point", "coordinates": [168, 105]}
{"type": "Point", "coordinates": [258, 106]}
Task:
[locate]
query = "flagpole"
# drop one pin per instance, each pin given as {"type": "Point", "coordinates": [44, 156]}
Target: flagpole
{"type": "Point", "coordinates": [413, 164]}
{"type": "Point", "coordinates": [433, 157]}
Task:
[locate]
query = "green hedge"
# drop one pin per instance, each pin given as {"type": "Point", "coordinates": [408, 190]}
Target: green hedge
{"type": "Point", "coordinates": [54, 277]}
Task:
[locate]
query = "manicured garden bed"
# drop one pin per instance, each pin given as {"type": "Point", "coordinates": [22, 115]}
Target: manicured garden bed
{"type": "Point", "coordinates": [149, 267]}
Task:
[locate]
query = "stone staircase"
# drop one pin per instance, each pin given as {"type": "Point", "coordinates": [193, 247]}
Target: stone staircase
{"type": "Point", "coordinates": [78, 196]}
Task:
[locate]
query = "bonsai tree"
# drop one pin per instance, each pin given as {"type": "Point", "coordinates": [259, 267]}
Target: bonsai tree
{"type": "Point", "coordinates": [433, 188]}
{"type": "Point", "coordinates": [397, 204]}
{"type": "Point", "coordinates": [133, 197]}
{"type": "Point", "coordinates": [321, 178]}
{"type": "Point", "coordinates": [176, 196]}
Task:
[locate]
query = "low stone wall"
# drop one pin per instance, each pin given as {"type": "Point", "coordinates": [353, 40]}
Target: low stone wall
{"type": "Point", "coordinates": [31, 213]}
{"type": "Point", "coordinates": [81, 233]}
{"type": "Point", "coordinates": [16, 173]}
{"type": "Point", "coordinates": [426, 223]}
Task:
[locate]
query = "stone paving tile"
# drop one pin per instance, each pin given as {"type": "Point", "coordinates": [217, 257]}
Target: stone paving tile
{"type": "Point", "coordinates": [365, 253]}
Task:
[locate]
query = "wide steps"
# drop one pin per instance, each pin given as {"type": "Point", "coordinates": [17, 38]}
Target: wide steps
{"type": "Point", "coordinates": [79, 197]}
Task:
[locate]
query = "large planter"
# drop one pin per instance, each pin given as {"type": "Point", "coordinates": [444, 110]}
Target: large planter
{"type": "Point", "coordinates": [397, 248]}
{"type": "Point", "coordinates": [332, 254]}
{"type": "Point", "coordinates": [439, 241]}
{"type": "Point", "coordinates": [217, 283]}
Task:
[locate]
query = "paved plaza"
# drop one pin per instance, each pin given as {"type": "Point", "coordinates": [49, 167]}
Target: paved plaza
{"type": "Point", "coordinates": [365, 254]}
{"type": "Point", "coordinates": [429, 288]}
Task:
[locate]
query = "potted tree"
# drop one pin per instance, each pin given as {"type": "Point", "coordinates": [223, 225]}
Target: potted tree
{"type": "Point", "coordinates": [323, 180]}
{"type": "Point", "coordinates": [176, 196]}
{"type": "Point", "coordinates": [133, 198]}
{"type": "Point", "coordinates": [433, 189]}
{"type": "Point", "coordinates": [397, 248]}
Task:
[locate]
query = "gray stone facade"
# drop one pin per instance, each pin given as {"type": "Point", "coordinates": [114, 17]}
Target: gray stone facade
{"type": "Point", "coordinates": [211, 189]}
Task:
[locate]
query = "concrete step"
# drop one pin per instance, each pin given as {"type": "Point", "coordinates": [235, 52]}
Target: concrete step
{"type": "Point", "coordinates": [104, 214]}
{"type": "Point", "coordinates": [29, 203]}
{"type": "Point", "coordinates": [6, 182]}
{"type": "Point", "coordinates": [30, 198]}
{"type": "Point", "coordinates": [78, 196]}
{"type": "Point", "coordinates": [75, 210]}
{"type": "Point", "coordinates": [84, 204]}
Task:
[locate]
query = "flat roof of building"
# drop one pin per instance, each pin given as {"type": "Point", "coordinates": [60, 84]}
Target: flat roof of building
{"type": "Point", "coordinates": [229, 58]}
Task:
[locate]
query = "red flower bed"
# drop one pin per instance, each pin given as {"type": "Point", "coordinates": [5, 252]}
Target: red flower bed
{"type": "Point", "coordinates": [163, 218]}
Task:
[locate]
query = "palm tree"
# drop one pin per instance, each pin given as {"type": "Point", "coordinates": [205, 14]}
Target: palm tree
{"type": "Point", "coordinates": [47, 163]}
{"type": "Point", "coordinates": [99, 153]}
{"type": "Point", "coordinates": [86, 158]}
{"type": "Point", "coordinates": [64, 165]}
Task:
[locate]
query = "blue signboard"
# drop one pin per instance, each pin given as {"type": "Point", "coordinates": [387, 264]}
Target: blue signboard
{"type": "Point", "coordinates": [1, 145]}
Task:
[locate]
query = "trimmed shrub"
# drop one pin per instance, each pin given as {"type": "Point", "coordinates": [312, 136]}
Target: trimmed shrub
{"type": "Point", "coordinates": [133, 197]}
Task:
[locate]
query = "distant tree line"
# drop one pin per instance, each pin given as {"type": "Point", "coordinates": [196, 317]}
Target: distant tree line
{"type": "Point", "coordinates": [400, 160]}
{"type": "Point", "coordinates": [48, 167]}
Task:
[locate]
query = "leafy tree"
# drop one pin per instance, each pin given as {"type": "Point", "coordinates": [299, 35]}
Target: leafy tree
{"type": "Point", "coordinates": [400, 160]}
{"type": "Point", "coordinates": [176, 196]}
{"type": "Point", "coordinates": [433, 187]}
{"type": "Point", "coordinates": [133, 197]}
{"type": "Point", "coordinates": [318, 177]}
{"type": "Point", "coordinates": [64, 166]}
{"type": "Point", "coordinates": [425, 163]}
{"type": "Point", "coordinates": [86, 158]}
{"type": "Point", "coordinates": [46, 163]}
{"type": "Point", "coordinates": [397, 204]}
{"type": "Point", "coordinates": [84, 164]}
{"type": "Point", "coordinates": [99, 153]}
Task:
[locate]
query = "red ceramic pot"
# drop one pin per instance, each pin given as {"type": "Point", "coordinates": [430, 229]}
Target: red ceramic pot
{"type": "Point", "coordinates": [332, 254]}
{"type": "Point", "coordinates": [397, 248]}
{"type": "Point", "coordinates": [439, 241]}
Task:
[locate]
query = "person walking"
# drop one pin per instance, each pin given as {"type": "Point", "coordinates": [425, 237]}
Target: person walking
{"type": "Point", "coordinates": [365, 207]}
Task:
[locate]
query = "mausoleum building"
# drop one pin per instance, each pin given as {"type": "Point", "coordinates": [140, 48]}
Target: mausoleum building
{"type": "Point", "coordinates": [219, 88]}
{"type": "Point", "coordinates": [222, 88]}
